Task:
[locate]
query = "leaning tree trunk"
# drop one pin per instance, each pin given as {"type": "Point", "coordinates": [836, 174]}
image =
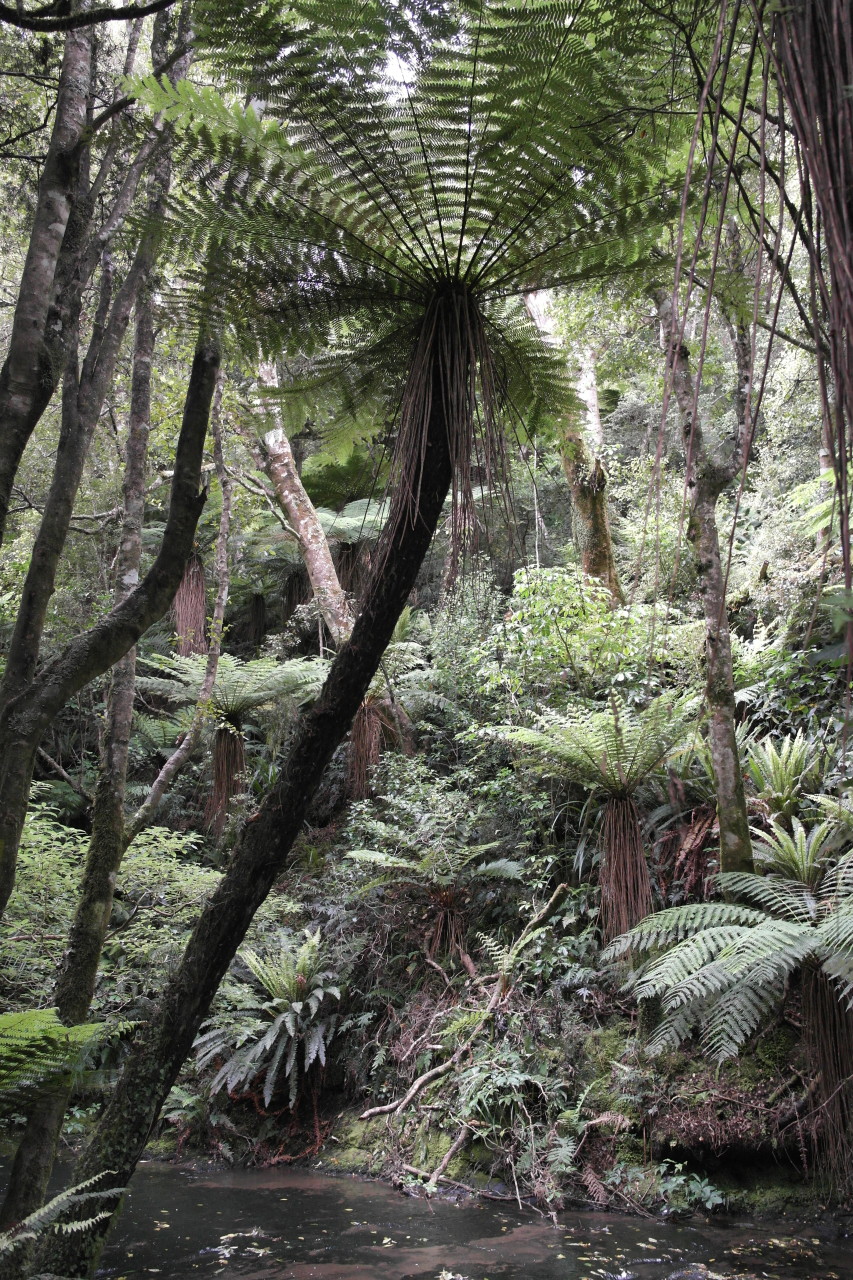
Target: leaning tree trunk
{"type": "Point", "coordinates": [331, 599]}
{"type": "Point", "coordinates": [275, 457]}
{"type": "Point", "coordinates": [63, 249]}
{"type": "Point", "coordinates": [265, 842]}
{"type": "Point", "coordinates": [28, 376]}
{"type": "Point", "coordinates": [706, 480]}
{"type": "Point", "coordinates": [147, 811]}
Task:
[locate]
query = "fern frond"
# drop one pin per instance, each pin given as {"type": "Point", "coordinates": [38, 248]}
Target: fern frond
{"type": "Point", "coordinates": [614, 750]}
{"type": "Point", "coordinates": [675, 923]}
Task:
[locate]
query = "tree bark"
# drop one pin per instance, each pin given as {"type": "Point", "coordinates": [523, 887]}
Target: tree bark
{"type": "Point", "coordinates": [331, 599]}
{"type": "Point", "coordinates": [707, 478]}
{"type": "Point", "coordinates": [29, 373]}
{"type": "Point", "coordinates": [84, 392]}
{"type": "Point", "coordinates": [586, 476]}
{"type": "Point", "coordinates": [147, 811]}
{"type": "Point", "coordinates": [75, 986]}
{"type": "Point", "coordinates": [275, 457]}
{"type": "Point", "coordinates": [27, 714]}
{"type": "Point", "coordinates": [590, 520]}
{"type": "Point", "coordinates": [265, 842]}
{"type": "Point", "coordinates": [62, 253]}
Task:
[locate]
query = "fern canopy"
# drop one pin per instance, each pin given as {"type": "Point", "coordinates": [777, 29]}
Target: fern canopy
{"type": "Point", "coordinates": [722, 967]}
{"type": "Point", "coordinates": [613, 750]}
{"type": "Point", "coordinates": [34, 1045]}
{"type": "Point", "coordinates": [354, 201]}
{"type": "Point", "coordinates": [239, 686]}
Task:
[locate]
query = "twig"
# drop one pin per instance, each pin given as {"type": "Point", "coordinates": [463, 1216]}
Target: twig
{"type": "Point", "coordinates": [433, 964]}
{"type": "Point", "coordinates": [66, 777]}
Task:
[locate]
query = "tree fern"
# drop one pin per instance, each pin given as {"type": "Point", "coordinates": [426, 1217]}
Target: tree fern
{"type": "Point", "coordinates": [725, 967]}
{"type": "Point", "coordinates": [353, 203]}
{"type": "Point", "coordinates": [611, 751]}
{"type": "Point", "coordinates": [238, 688]}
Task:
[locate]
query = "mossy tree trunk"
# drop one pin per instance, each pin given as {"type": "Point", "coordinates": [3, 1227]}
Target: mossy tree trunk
{"type": "Point", "coordinates": [590, 519]}
{"type": "Point", "coordinates": [707, 478]}
{"type": "Point", "coordinates": [75, 986]}
{"type": "Point", "coordinates": [109, 839]}
{"type": "Point", "coordinates": [28, 710]}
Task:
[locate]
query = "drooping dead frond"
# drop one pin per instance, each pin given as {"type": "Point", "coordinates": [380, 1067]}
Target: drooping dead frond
{"type": "Point", "coordinates": [452, 373]}
{"type": "Point", "coordinates": [626, 892]}
{"type": "Point", "coordinates": [229, 769]}
{"type": "Point", "coordinates": [190, 609]}
{"type": "Point", "coordinates": [365, 742]}
{"type": "Point", "coordinates": [828, 1026]}
{"type": "Point", "coordinates": [813, 50]}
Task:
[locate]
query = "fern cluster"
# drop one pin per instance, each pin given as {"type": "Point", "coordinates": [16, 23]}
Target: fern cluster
{"type": "Point", "coordinates": [296, 1015]}
{"type": "Point", "coordinates": [725, 966]}
{"type": "Point", "coordinates": [35, 1045]}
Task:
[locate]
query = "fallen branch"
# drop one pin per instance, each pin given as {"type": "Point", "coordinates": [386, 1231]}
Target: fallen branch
{"type": "Point", "coordinates": [455, 1147]}
{"type": "Point", "coordinates": [451, 1182]}
{"type": "Point", "coordinates": [66, 777]}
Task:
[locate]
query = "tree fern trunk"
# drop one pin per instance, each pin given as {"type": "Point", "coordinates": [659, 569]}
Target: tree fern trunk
{"type": "Point", "coordinates": [626, 893]}
{"type": "Point", "coordinates": [262, 850]}
{"type": "Point", "coordinates": [828, 1029]}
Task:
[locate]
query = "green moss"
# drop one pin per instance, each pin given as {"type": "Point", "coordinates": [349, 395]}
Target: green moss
{"type": "Point", "coordinates": [771, 1193]}
{"type": "Point", "coordinates": [164, 1147]}
{"type": "Point", "coordinates": [349, 1159]}
{"type": "Point", "coordinates": [605, 1046]}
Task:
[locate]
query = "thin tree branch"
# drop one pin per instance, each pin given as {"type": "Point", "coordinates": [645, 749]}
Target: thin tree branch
{"type": "Point", "coordinates": [49, 19]}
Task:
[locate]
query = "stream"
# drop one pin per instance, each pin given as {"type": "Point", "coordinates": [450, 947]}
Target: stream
{"type": "Point", "coordinates": [294, 1225]}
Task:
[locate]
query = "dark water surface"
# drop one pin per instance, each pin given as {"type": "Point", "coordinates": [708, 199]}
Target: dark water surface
{"type": "Point", "coordinates": [292, 1225]}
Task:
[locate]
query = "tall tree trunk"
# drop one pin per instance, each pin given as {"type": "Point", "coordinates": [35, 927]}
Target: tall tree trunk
{"type": "Point", "coordinates": [275, 456]}
{"type": "Point", "coordinates": [84, 392]}
{"type": "Point", "coordinates": [265, 842]}
{"type": "Point", "coordinates": [28, 712]}
{"type": "Point", "coordinates": [332, 601]}
{"type": "Point", "coordinates": [76, 983]}
{"type": "Point", "coordinates": [63, 250]}
{"type": "Point", "coordinates": [28, 376]}
{"type": "Point", "coordinates": [585, 474]}
{"type": "Point", "coordinates": [707, 478]}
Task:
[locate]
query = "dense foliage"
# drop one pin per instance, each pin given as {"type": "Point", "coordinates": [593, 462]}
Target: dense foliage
{"type": "Point", "coordinates": [570, 707]}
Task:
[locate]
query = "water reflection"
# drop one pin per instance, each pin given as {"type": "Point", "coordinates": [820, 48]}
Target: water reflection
{"type": "Point", "coordinates": [260, 1225]}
